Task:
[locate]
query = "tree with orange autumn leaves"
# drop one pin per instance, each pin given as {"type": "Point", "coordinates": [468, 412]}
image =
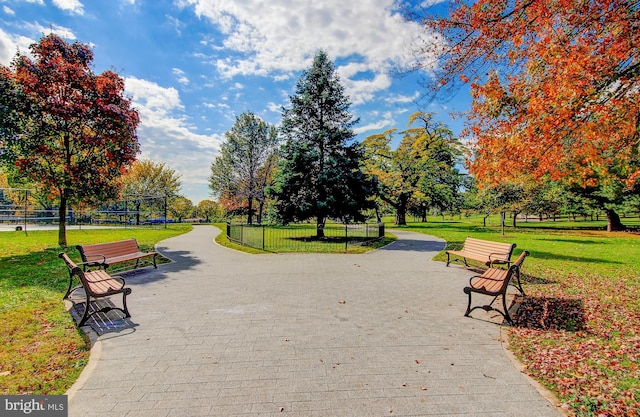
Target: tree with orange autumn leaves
{"type": "Point", "coordinates": [71, 131]}
{"type": "Point", "coordinates": [556, 91]}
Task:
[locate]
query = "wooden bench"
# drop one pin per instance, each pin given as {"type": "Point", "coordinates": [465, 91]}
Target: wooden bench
{"type": "Point", "coordinates": [96, 284]}
{"type": "Point", "coordinates": [104, 255]}
{"type": "Point", "coordinates": [484, 251]}
{"type": "Point", "coordinates": [494, 282]}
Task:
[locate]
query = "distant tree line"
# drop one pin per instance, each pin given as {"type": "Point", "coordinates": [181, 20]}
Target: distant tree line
{"type": "Point", "coordinates": [70, 134]}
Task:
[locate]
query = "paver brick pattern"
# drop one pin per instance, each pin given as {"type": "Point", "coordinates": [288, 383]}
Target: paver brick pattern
{"type": "Point", "coordinates": [224, 333]}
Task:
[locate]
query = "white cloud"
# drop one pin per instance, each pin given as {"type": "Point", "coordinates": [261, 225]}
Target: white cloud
{"type": "Point", "coordinates": [8, 11]}
{"type": "Point", "coordinates": [361, 91]}
{"type": "Point", "coordinates": [285, 35]}
{"type": "Point", "coordinates": [38, 30]}
{"type": "Point", "coordinates": [10, 44]}
{"type": "Point", "coordinates": [165, 134]}
{"type": "Point", "coordinates": [376, 127]}
{"type": "Point", "coordinates": [176, 23]}
{"type": "Point", "coordinates": [180, 76]}
{"type": "Point", "coordinates": [273, 107]}
{"type": "Point", "coordinates": [400, 99]}
{"type": "Point", "coordinates": [71, 6]}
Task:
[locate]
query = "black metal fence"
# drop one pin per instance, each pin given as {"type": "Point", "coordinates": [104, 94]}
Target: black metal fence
{"type": "Point", "coordinates": [19, 208]}
{"type": "Point", "coordinates": [303, 237]}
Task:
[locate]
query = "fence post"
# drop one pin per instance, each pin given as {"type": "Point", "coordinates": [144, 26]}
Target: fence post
{"type": "Point", "coordinates": [229, 230]}
{"type": "Point", "coordinates": [263, 233]}
{"type": "Point", "coordinates": [346, 238]}
{"type": "Point", "coordinates": [380, 230]}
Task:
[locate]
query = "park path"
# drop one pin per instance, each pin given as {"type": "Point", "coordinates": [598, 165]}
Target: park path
{"type": "Point", "coordinates": [223, 333]}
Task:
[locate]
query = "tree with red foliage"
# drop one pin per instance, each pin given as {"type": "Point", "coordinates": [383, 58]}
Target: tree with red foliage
{"type": "Point", "coordinates": [556, 91]}
{"type": "Point", "coordinates": [77, 130]}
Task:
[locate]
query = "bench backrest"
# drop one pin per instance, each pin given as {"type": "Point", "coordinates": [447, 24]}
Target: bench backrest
{"type": "Point", "coordinates": [96, 251]}
{"type": "Point", "coordinates": [495, 251]}
{"type": "Point", "coordinates": [498, 279]}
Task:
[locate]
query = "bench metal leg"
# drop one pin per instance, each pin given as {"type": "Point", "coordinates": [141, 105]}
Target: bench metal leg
{"type": "Point", "coordinates": [124, 310]}
{"type": "Point", "coordinates": [457, 259]}
{"type": "Point", "coordinates": [519, 285]}
{"type": "Point", "coordinates": [489, 307]}
{"type": "Point", "coordinates": [66, 295]}
{"type": "Point", "coordinates": [467, 290]}
{"type": "Point", "coordinates": [86, 314]}
{"type": "Point", "coordinates": [126, 292]}
{"type": "Point", "coordinates": [506, 310]}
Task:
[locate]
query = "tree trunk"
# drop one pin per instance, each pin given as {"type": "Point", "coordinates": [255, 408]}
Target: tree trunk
{"type": "Point", "coordinates": [260, 210]}
{"type": "Point", "coordinates": [250, 210]}
{"type": "Point", "coordinates": [515, 216]}
{"type": "Point", "coordinates": [613, 221]}
{"type": "Point", "coordinates": [320, 227]}
{"type": "Point", "coordinates": [62, 221]}
{"type": "Point", "coordinates": [138, 213]}
{"type": "Point", "coordinates": [401, 210]}
{"type": "Point", "coordinates": [401, 215]}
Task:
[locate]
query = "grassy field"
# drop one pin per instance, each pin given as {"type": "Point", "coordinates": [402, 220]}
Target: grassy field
{"type": "Point", "coordinates": [43, 352]}
{"type": "Point", "coordinates": [578, 329]}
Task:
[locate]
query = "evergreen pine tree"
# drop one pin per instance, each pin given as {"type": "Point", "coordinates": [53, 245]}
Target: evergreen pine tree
{"type": "Point", "coordinates": [320, 172]}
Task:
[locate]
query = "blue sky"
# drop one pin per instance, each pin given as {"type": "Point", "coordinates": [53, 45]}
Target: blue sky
{"type": "Point", "coordinates": [192, 66]}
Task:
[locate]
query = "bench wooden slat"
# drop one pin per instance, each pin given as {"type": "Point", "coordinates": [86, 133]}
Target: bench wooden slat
{"type": "Point", "coordinates": [96, 284]}
{"type": "Point", "coordinates": [484, 251]}
{"type": "Point", "coordinates": [494, 282]}
{"type": "Point", "coordinates": [99, 283]}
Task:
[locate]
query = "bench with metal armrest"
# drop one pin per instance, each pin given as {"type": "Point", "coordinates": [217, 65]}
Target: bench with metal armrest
{"type": "Point", "coordinates": [96, 284]}
{"type": "Point", "coordinates": [494, 282]}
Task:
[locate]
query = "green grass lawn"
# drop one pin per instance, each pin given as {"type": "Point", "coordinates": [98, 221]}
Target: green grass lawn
{"type": "Point", "coordinates": [578, 329]}
{"type": "Point", "coordinates": [43, 352]}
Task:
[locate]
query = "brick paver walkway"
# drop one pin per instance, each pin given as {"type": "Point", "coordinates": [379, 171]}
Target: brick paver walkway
{"type": "Point", "coordinates": [224, 333]}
